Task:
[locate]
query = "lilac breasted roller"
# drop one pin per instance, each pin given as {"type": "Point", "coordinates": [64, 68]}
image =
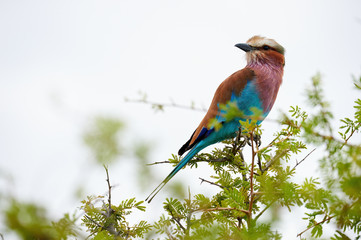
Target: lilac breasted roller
{"type": "Point", "coordinates": [255, 86]}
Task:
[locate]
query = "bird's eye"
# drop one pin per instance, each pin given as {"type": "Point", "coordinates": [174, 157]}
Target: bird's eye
{"type": "Point", "coordinates": [265, 47]}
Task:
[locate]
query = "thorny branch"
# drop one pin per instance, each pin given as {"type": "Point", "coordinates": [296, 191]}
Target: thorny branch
{"type": "Point", "coordinates": [195, 160]}
{"type": "Point", "coordinates": [158, 105]}
{"type": "Point", "coordinates": [298, 163]}
{"type": "Point", "coordinates": [110, 229]}
{"type": "Point", "coordinates": [212, 183]}
{"type": "Point", "coordinates": [332, 138]}
{"type": "Point", "coordinates": [274, 142]}
{"type": "Point", "coordinates": [223, 209]}
{"type": "Point", "coordinates": [266, 207]}
{"type": "Point", "coordinates": [324, 137]}
{"type": "Point", "coordinates": [259, 162]}
{"type": "Point", "coordinates": [237, 145]}
{"type": "Point", "coordinates": [177, 221]}
{"type": "Point", "coordinates": [251, 183]}
{"type": "Point", "coordinates": [274, 159]}
{"type": "Point", "coordinates": [155, 163]}
{"type": "Point", "coordinates": [110, 210]}
{"type": "Point", "coordinates": [324, 220]}
{"type": "Point", "coordinates": [96, 223]}
{"type": "Point", "coordinates": [352, 132]}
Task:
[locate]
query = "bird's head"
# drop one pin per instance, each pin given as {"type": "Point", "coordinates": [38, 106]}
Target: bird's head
{"type": "Point", "coordinates": [261, 50]}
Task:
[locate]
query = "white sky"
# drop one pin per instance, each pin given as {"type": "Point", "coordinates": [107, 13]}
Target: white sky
{"type": "Point", "coordinates": [63, 62]}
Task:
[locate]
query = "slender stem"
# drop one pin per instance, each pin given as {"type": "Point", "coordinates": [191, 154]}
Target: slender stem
{"type": "Point", "coordinates": [274, 142]}
{"type": "Point", "coordinates": [259, 162]}
{"type": "Point", "coordinates": [222, 209]}
{"type": "Point", "coordinates": [155, 163]}
{"type": "Point", "coordinates": [261, 212]}
{"type": "Point", "coordinates": [195, 160]}
{"type": "Point", "coordinates": [108, 228]}
{"type": "Point", "coordinates": [161, 105]}
{"type": "Point", "coordinates": [109, 210]}
{"type": "Point", "coordinates": [354, 130]}
{"type": "Point", "coordinates": [109, 188]}
{"type": "Point", "coordinates": [251, 182]}
{"type": "Point", "coordinates": [244, 176]}
{"type": "Point", "coordinates": [93, 221]}
{"type": "Point", "coordinates": [211, 160]}
{"type": "Point", "coordinates": [178, 222]}
{"type": "Point", "coordinates": [238, 144]}
{"type": "Point", "coordinates": [324, 220]}
{"type": "Point", "coordinates": [204, 180]}
{"type": "Point", "coordinates": [298, 163]}
{"type": "Point", "coordinates": [274, 159]}
{"type": "Point", "coordinates": [332, 138]}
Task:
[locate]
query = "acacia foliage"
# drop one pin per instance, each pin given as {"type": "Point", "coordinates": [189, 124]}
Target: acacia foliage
{"type": "Point", "coordinates": [251, 190]}
{"type": "Point", "coordinates": [260, 185]}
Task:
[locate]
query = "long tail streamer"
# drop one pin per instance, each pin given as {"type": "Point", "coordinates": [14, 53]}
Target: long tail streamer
{"type": "Point", "coordinates": [180, 165]}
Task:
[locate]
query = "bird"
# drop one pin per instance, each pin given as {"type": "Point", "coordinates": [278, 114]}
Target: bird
{"type": "Point", "coordinates": [254, 86]}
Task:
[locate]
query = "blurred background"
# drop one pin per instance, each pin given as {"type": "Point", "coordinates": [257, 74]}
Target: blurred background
{"type": "Point", "coordinates": [67, 67]}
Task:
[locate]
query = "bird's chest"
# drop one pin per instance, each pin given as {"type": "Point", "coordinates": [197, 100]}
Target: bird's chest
{"type": "Point", "coordinates": [248, 99]}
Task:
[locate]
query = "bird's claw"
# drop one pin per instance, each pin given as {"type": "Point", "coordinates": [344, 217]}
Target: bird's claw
{"type": "Point", "coordinates": [256, 139]}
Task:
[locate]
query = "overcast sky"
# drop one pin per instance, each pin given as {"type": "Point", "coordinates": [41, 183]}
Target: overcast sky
{"type": "Point", "coordinates": [63, 62]}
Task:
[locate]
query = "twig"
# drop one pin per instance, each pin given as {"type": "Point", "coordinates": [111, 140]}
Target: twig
{"type": "Point", "coordinates": [324, 220]}
{"type": "Point", "coordinates": [109, 188]}
{"type": "Point", "coordinates": [204, 180]}
{"type": "Point", "coordinates": [190, 212]}
{"type": "Point", "coordinates": [354, 130]}
{"type": "Point", "coordinates": [93, 221]}
{"type": "Point", "coordinates": [274, 159]}
{"type": "Point", "coordinates": [273, 142]}
{"type": "Point", "coordinates": [160, 105]}
{"type": "Point", "coordinates": [155, 163]}
{"type": "Point", "coordinates": [109, 210]}
{"type": "Point", "coordinates": [238, 144]}
{"type": "Point", "coordinates": [251, 183]}
{"type": "Point", "coordinates": [110, 229]}
{"type": "Point", "coordinates": [222, 209]}
{"type": "Point", "coordinates": [244, 176]}
{"type": "Point", "coordinates": [298, 163]}
{"type": "Point", "coordinates": [261, 212]}
{"type": "Point", "coordinates": [211, 160]}
{"type": "Point", "coordinates": [259, 162]}
{"type": "Point", "coordinates": [178, 222]}
{"type": "Point", "coordinates": [269, 163]}
{"type": "Point", "coordinates": [195, 160]}
{"type": "Point", "coordinates": [332, 138]}
{"type": "Point", "coordinates": [175, 105]}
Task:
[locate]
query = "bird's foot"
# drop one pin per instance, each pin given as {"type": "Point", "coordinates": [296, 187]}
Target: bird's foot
{"type": "Point", "coordinates": [256, 139]}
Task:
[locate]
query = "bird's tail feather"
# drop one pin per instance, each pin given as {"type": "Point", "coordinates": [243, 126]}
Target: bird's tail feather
{"type": "Point", "coordinates": [180, 165]}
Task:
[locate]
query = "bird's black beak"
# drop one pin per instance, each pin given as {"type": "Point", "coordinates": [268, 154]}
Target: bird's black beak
{"type": "Point", "coordinates": [244, 46]}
